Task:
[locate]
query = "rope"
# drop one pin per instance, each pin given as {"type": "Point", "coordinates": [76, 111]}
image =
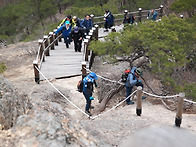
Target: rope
{"type": "Point", "coordinates": [113, 107]}
{"type": "Point", "coordinates": [158, 96]}
{"type": "Point", "coordinates": [189, 101]}
{"type": "Point", "coordinates": [62, 94]}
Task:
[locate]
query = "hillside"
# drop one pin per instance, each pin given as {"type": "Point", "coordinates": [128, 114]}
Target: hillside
{"type": "Point", "coordinates": [51, 120]}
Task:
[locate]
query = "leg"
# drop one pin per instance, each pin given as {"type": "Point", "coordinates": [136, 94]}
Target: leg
{"type": "Point", "coordinates": [79, 45]}
{"type": "Point", "coordinates": [75, 45]}
{"type": "Point", "coordinates": [88, 101]}
{"type": "Point", "coordinates": [128, 92]}
{"type": "Point", "coordinates": [66, 42]}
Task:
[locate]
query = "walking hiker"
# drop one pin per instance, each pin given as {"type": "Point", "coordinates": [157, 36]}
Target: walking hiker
{"type": "Point", "coordinates": [88, 82]}
{"type": "Point", "coordinates": [129, 19]}
{"type": "Point", "coordinates": [133, 80]}
{"type": "Point", "coordinates": [77, 35]}
{"type": "Point", "coordinates": [68, 18]}
{"type": "Point", "coordinates": [109, 20]}
{"type": "Point", "coordinates": [76, 21]}
{"type": "Point", "coordinates": [86, 24]}
{"type": "Point", "coordinates": [66, 30]}
{"type": "Point", "coordinates": [152, 15]}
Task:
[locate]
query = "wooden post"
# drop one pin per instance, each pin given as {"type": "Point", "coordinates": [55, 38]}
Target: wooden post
{"type": "Point", "coordinates": [161, 11]}
{"type": "Point", "coordinates": [93, 28]}
{"type": "Point", "coordinates": [182, 16]}
{"type": "Point", "coordinates": [96, 32]}
{"type": "Point", "coordinates": [83, 69]}
{"type": "Point", "coordinates": [140, 15]}
{"type": "Point", "coordinates": [139, 101]}
{"type": "Point", "coordinates": [40, 41]}
{"type": "Point", "coordinates": [113, 29]}
{"type": "Point", "coordinates": [86, 41]}
{"type": "Point", "coordinates": [92, 18]}
{"type": "Point", "coordinates": [125, 13]}
{"type": "Point", "coordinates": [51, 40]}
{"type": "Point", "coordinates": [36, 72]}
{"type": "Point", "coordinates": [60, 39]}
{"type": "Point", "coordinates": [55, 36]}
{"type": "Point", "coordinates": [47, 52]}
{"type": "Point", "coordinates": [178, 119]}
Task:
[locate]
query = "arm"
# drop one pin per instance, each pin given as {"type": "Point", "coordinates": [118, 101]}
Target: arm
{"type": "Point", "coordinates": [59, 29]}
{"type": "Point", "coordinates": [81, 24]}
{"type": "Point", "coordinates": [131, 81]}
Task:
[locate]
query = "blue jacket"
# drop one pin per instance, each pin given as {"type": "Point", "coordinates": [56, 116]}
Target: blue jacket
{"type": "Point", "coordinates": [86, 80]}
{"type": "Point", "coordinates": [86, 23]}
{"type": "Point", "coordinates": [131, 79]}
{"type": "Point", "coordinates": [109, 19]}
{"type": "Point", "coordinates": [66, 32]}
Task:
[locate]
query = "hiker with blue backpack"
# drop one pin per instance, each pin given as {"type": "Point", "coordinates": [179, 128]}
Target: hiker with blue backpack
{"type": "Point", "coordinates": [109, 20]}
{"type": "Point", "coordinates": [131, 81]}
{"type": "Point", "coordinates": [88, 82]}
{"type": "Point", "coordinates": [86, 24]}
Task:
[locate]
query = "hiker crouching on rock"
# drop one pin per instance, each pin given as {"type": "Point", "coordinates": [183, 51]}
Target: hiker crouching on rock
{"type": "Point", "coordinates": [133, 80]}
{"type": "Point", "coordinates": [88, 82]}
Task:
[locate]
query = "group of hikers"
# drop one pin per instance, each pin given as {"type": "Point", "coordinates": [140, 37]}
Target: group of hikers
{"type": "Point", "coordinates": [74, 29]}
{"type": "Point", "coordinates": [132, 79]}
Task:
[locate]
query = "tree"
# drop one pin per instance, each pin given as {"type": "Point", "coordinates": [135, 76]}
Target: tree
{"type": "Point", "coordinates": [181, 5]}
{"type": "Point", "coordinates": [165, 45]}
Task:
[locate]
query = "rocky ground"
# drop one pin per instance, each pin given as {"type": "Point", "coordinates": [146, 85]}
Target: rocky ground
{"type": "Point", "coordinates": [50, 120]}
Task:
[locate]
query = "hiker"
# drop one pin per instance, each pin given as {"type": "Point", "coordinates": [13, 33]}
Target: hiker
{"type": "Point", "coordinates": [152, 15]}
{"type": "Point", "coordinates": [68, 18]}
{"type": "Point", "coordinates": [109, 20]}
{"type": "Point", "coordinates": [88, 82]}
{"type": "Point", "coordinates": [86, 24]}
{"type": "Point", "coordinates": [133, 80]}
{"type": "Point", "coordinates": [66, 30]}
{"type": "Point", "coordinates": [77, 35]}
{"type": "Point", "coordinates": [129, 19]}
{"type": "Point", "coordinates": [76, 22]}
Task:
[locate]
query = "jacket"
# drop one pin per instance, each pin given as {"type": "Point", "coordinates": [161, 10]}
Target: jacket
{"type": "Point", "coordinates": [109, 19]}
{"type": "Point", "coordinates": [86, 82]}
{"type": "Point", "coordinates": [152, 16]}
{"type": "Point", "coordinates": [76, 36]}
{"type": "Point", "coordinates": [66, 32]}
{"type": "Point", "coordinates": [86, 23]}
{"type": "Point", "coordinates": [131, 79]}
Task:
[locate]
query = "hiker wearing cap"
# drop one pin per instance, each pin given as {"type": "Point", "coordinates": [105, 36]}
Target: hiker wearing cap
{"type": "Point", "coordinates": [86, 24]}
{"type": "Point", "coordinates": [66, 30]}
{"type": "Point", "coordinates": [76, 22]}
{"type": "Point", "coordinates": [109, 20]}
{"type": "Point", "coordinates": [133, 80]}
{"type": "Point", "coordinates": [68, 18]}
{"type": "Point", "coordinates": [88, 82]}
{"type": "Point", "coordinates": [77, 35]}
{"type": "Point", "coordinates": [129, 19]}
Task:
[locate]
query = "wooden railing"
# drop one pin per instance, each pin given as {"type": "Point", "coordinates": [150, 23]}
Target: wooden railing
{"type": "Point", "coordinates": [50, 41]}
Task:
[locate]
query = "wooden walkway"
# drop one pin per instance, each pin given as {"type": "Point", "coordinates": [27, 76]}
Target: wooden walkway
{"type": "Point", "coordinates": [65, 62]}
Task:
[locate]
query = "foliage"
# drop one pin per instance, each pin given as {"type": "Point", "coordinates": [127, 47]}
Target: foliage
{"type": "Point", "coordinates": [2, 67]}
{"type": "Point", "coordinates": [182, 5]}
{"type": "Point", "coordinates": [167, 44]}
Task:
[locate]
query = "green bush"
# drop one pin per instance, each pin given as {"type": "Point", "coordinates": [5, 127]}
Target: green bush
{"type": "Point", "coordinates": [2, 67]}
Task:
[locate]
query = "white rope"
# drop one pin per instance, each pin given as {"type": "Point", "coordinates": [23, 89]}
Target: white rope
{"type": "Point", "coordinates": [189, 101]}
{"type": "Point", "coordinates": [62, 93]}
{"type": "Point", "coordinates": [113, 107]}
{"type": "Point", "coordinates": [106, 78]}
{"type": "Point", "coordinates": [158, 96]}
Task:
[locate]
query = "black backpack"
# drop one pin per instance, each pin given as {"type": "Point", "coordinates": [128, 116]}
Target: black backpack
{"type": "Point", "coordinates": [80, 86]}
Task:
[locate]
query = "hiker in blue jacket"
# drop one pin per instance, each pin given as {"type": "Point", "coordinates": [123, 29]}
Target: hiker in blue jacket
{"type": "Point", "coordinates": [133, 80]}
{"type": "Point", "coordinates": [109, 20]}
{"type": "Point", "coordinates": [88, 82]}
{"type": "Point", "coordinates": [86, 24]}
{"type": "Point", "coordinates": [152, 15]}
{"type": "Point", "coordinates": [66, 30]}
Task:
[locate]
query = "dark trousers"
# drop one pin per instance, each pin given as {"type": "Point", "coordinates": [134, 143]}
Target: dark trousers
{"type": "Point", "coordinates": [78, 45]}
{"type": "Point", "coordinates": [129, 90]}
{"type": "Point", "coordinates": [67, 40]}
{"type": "Point", "coordinates": [106, 25]}
{"type": "Point", "coordinates": [88, 101]}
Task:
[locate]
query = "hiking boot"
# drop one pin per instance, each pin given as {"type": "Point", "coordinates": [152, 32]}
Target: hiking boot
{"type": "Point", "coordinates": [130, 103]}
{"type": "Point", "coordinates": [88, 112]}
{"type": "Point", "coordinates": [106, 30]}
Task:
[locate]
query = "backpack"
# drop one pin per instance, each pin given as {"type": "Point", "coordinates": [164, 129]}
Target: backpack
{"type": "Point", "coordinates": [89, 87]}
{"type": "Point", "coordinates": [80, 86]}
{"type": "Point", "coordinates": [125, 75]}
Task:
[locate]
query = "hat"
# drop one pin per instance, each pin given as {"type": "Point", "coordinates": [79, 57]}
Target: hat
{"type": "Point", "coordinates": [93, 75]}
{"type": "Point", "coordinates": [76, 29]}
{"type": "Point", "coordinates": [139, 71]}
{"type": "Point", "coordinates": [67, 22]}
